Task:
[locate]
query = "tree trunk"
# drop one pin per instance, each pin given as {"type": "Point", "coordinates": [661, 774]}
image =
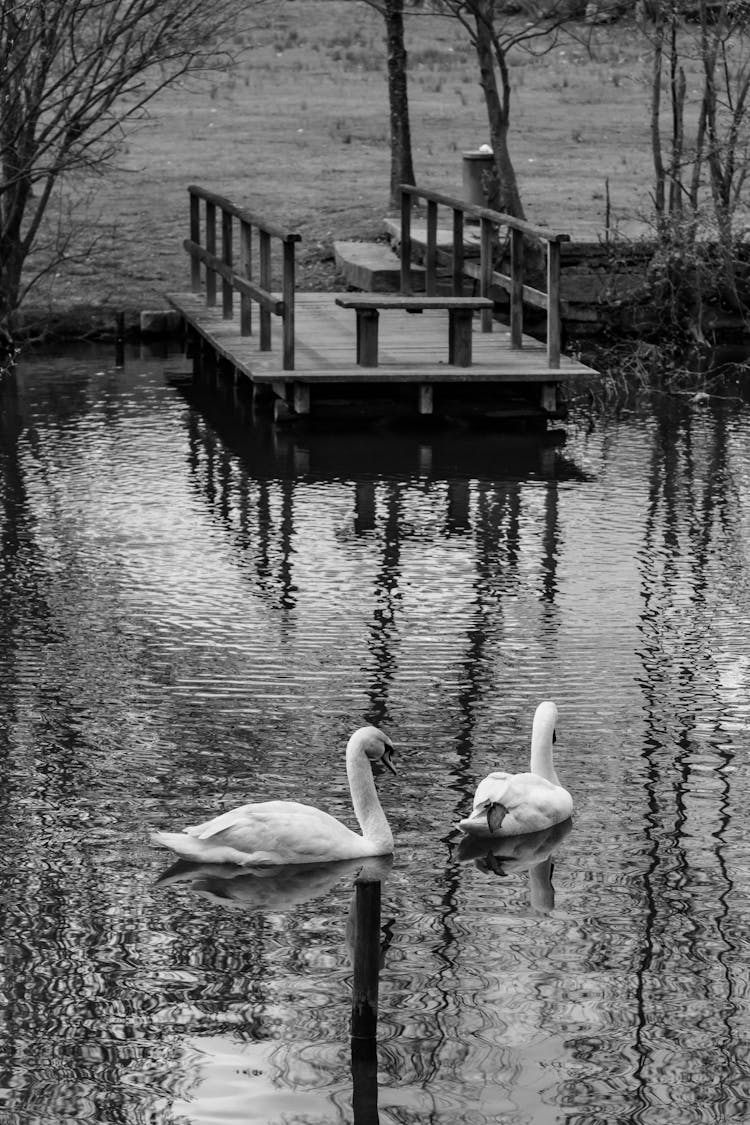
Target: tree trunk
{"type": "Point", "coordinates": [504, 195]}
{"type": "Point", "coordinates": [402, 168]}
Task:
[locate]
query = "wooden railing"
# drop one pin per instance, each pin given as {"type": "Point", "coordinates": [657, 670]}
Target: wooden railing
{"type": "Point", "coordinates": [487, 276]}
{"type": "Point", "coordinates": [237, 275]}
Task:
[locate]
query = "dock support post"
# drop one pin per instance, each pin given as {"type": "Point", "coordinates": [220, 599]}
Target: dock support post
{"type": "Point", "coordinates": [548, 397]}
{"type": "Point", "coordinates": [425, 403]}
{"type": "Point", "coordinates": [301, 398]}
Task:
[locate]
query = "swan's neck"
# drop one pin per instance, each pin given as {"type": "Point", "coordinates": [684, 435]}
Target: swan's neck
{"type": "Point", "coordinates": [541, 748]}
{"type": "Point", "coordinates": [367, 807]}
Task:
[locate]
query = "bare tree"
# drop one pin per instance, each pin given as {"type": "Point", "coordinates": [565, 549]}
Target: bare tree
{"type": "Point", "coordinates": [402, 164]}
{"type": "Point", "coordinates": [700, 93]}
{"type": "Point", "coordinates": [72, 73]}
{"type": "Point", "coordinates": [494, 33]}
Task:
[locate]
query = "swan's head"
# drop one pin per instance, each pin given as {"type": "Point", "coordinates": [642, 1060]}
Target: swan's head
{"type": "Point", "coordinates": [376, 745]}
{"type": "Point", "coordinates": [545, 718]}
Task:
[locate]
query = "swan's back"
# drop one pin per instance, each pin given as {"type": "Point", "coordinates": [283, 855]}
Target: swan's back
{"type": "Point", "coordinates": [269, 832]}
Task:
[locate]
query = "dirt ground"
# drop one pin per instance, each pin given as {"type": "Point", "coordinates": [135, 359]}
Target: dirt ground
{"type": "Point", "coordinates": [298, 132]}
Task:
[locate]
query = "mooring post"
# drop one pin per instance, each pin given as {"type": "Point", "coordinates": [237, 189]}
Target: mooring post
{"type": "Point", "coordinates": [366, 956]}
{"type": "Point", "coordinates": [366, 960]}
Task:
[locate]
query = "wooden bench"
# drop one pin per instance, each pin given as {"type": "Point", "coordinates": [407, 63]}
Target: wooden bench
{"type": "Point", "coordinates": [368, 306]}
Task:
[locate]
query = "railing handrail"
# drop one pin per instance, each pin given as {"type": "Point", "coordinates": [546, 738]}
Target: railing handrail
{"type": "Point", "coordinates": [242, 213]}
{"type": "Point", "coordinates": [238, 277]}
{"type": "Point", "coordinates": [488, 218]}
{"type": "Point", "coordinates": [475, 211]}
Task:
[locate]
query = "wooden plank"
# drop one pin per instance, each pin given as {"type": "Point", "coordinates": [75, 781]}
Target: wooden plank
{"type": "Point", "coordinates": [412, 349]}
{"type": "Point", "coordinates": [410, 304]}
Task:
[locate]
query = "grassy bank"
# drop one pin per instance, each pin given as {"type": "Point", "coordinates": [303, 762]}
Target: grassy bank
{"type": "Point", "coordinates": [298, 131]}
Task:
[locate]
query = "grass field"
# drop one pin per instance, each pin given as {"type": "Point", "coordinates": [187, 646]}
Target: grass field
{"type": "Point", "coordinates": [298, 131]}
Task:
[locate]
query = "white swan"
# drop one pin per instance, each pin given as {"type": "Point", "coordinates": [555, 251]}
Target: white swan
{"type": "Point", "coordinates": [276, 832]}
{"type": "Point", "coordinates": [512, 804]}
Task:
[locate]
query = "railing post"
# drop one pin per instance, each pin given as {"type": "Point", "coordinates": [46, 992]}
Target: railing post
{"type": "Point", "coordinates": [246, 270]}
{"type": "Point", "coordinates": [210, 249]}
{"type": "Point", "coordinates": [195, 236]}
{"type": "Point", "coordinates": [265, 283]}
{"type": "Point", "coordinates": [287, 292]}
{"type": "Point", "coordinates": [485, 269]}
{"type": "Point", "coordinates": [553, 304]}
{"type": "Point", "coordinates": [430, 286]}
{"type": "Point", "coordinates": [405, 242]}
{"type": "Point", "coordinates": [516, 288]}
{"type": "Point", "coordinates": [458, 252]}
{"type": "Point", "coordinates": [226, 257]}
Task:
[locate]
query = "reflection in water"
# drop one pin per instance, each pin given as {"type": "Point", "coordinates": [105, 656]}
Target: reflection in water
{"type": "Point", "coordinates": [286, 887]}
{"type": "Point", "coordinates": [199, 607]}
{"type": "Point", "coordinates": [509, 855]}
{"type": "Point", "coordinates": [265, 888]}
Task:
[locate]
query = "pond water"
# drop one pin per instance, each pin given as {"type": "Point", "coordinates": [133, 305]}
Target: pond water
{"type": "Point", "coordinates": [196, 611]}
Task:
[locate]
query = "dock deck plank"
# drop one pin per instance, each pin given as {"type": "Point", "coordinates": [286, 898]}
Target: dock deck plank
{"type": "Point", "coordinates": [413, 348]}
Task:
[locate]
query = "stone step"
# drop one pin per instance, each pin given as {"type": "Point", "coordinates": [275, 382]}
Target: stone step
{"type": "Point", "coordinates": [373, 267]}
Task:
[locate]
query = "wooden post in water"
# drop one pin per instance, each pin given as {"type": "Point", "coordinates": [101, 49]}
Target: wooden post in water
{"type": "Point", "coordinates": [366, 960]}
{"type": "Point", "coordinates": [366, 955]}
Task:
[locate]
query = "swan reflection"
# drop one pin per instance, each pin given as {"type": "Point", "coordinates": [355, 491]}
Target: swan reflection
{"type": "Point", "coordinates": [284, 887]}
{"type": "Point", "coordinates": [258, 888]}
{"type": "Point", "coordinates": [510, 855]}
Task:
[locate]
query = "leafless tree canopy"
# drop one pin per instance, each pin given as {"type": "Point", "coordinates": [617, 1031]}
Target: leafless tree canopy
{"type": "Point", "coordinates": [72, 72]}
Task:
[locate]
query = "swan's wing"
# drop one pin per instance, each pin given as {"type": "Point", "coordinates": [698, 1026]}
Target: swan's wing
{"type": "Point", "coordinates": [492, 789]}
{"type": "Point", "coordinates": [282, 832]}
{"type": "Point", "coordinates": [248, 814]}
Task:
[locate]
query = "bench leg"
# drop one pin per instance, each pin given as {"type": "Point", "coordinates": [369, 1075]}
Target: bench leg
{"type": "Point", "coordinates": [367, 337]}
{"type": "Point", "coordinates": [459, 337]}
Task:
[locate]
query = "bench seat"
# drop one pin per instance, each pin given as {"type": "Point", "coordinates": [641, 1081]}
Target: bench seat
{"type": "Point", "coordinates": [368, 306]}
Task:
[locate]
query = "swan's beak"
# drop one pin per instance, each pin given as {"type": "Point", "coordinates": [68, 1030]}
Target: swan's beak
{"type": "Point", "coordinates": [387, 759]}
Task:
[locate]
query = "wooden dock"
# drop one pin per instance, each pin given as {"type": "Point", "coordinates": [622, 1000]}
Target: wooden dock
{"type": "Point", "coordinates": [312, 366]}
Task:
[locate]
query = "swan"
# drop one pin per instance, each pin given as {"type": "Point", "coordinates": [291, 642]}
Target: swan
{"type": "Point", "coordinates": [285, 832]}
{"type": "Point", "coordinates": [513, 804]}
